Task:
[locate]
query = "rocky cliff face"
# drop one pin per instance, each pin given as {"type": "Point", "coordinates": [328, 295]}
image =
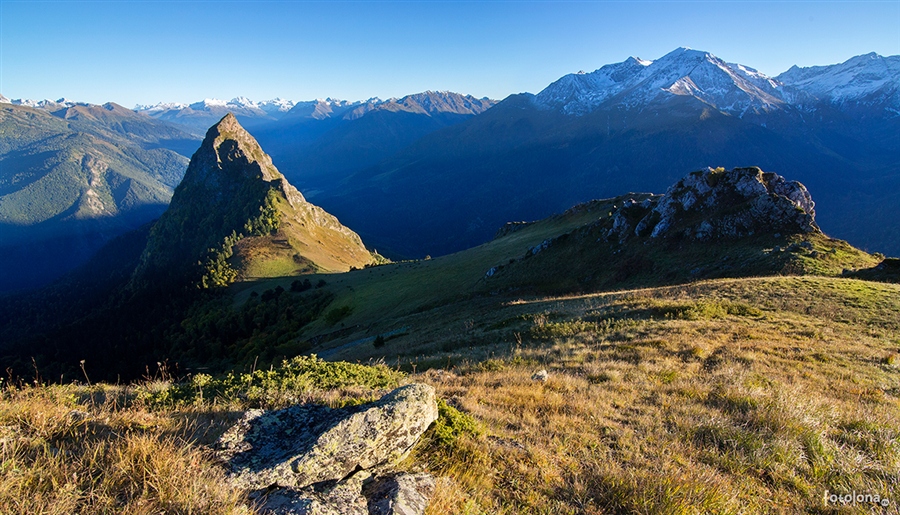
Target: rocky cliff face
{"type": "Point", "coordinates": [234, 215]}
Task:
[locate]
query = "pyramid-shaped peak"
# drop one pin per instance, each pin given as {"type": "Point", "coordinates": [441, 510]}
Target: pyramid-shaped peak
{"type": "Point", "coordinates": [235, 216]}
{"type": "Point", "coordinates": [229, 121]}
{"type": "Point", "coordinates": [229, 125]}
{"type": "Point", "coordinates": [228, 145]}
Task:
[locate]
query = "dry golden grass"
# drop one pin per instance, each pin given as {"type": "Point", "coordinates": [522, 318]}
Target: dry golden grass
{"type": "Point", "coordinates": [748, 396]}
{"type": "Point", "coordinates": [728, 396]}
{"type": "Point", "coordinates": [72, 449]}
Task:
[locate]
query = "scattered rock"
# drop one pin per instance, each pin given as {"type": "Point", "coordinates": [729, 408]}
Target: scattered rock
{"type": "Point", "coordinates": [510, 228]}
{"type": "Point", "coordinates": [302, 445]}
{"type": "Point", "coordinates": [400, 494]}
{"type": "Point", "coordinates": [394, 494]}
{"type": "Point", "coordinates": [537, 248]}
{"type": "Point", "coordinates": [77, 415]}
{"type": "Point", "coordinates": [328, 498]}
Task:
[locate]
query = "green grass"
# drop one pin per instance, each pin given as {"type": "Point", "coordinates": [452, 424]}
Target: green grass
{"type": "Point", "coordinates": [752, 395]}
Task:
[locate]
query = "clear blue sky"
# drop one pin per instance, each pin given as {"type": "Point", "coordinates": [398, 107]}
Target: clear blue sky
{"type": "Point", "coordinates": [150, 51]}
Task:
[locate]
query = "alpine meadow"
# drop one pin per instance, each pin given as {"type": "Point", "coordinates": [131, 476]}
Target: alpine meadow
{"type": "Point", "coordinates": [665, 286]}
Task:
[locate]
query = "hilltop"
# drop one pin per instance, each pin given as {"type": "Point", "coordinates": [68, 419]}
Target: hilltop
{"type": "Point", "coordinates": [238, 217]}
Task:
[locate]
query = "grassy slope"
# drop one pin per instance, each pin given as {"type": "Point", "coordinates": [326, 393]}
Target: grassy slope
{"type": "Point", "coordinates": [300, 246]}
{"type": "Point", "coordinates": [386, 292]}
{"type": "Point", "coordinates": [387, 299]}
{"type": "Point", "coordinates": [724, 396]}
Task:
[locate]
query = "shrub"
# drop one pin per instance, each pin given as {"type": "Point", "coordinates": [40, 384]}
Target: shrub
{"type": "Point", "coordinates": [278, 385]}
{"type": "Point", "coordinates": [452, 424]}
{"type": "Point", "coordinates": [301, 286]}
{"type": "Point", "coordinates": [337, 314]}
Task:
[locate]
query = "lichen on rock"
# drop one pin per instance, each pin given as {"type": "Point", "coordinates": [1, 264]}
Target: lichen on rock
{"type": "Point", "coordinates": [715, 203]}
{"type": "Point", "coordinates": [302, 445]}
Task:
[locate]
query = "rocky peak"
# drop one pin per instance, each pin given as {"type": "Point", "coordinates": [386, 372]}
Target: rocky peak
{"type": "Point", "coordinates": [234, 211]}
{"type": "Point", "coordinates": [869, 77]}
{"type": "Point", "coordinates": [228, 156]}
{"type": "Point", "coordinates": [443, 102]}
{"type": "Point", "coordinates": [715, 203]}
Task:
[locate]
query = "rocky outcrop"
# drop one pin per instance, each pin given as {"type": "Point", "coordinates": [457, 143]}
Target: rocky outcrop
{"type": "Point", "coordinates": [400, 494]}
{"type": "Point", "coordinates": [313, 459]}
{"type": "Point", "coordinates": [511, 227]}
{"type": "Point", "coordinates": [705, 205]}
{"type": "Point", "coordinates": [710, 204]}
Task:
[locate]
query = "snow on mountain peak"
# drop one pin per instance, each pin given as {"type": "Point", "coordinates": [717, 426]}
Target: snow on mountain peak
{"type": "Point", "coordinates": [681, 72]}
{"type": "Point", "coordinates": [869, 77]}
{"type": "Point", "coordinates": [276, 105]}
{"type": "Point", "coordinates": [243, 102]}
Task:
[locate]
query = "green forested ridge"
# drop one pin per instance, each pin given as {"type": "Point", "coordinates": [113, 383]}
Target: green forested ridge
{"type": "Point", "coordinates": [71, 180]}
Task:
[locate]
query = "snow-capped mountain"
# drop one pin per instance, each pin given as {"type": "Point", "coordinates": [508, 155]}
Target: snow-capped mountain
{"type": "Point", "coordinates": [730, 87]}
{"type": "Point", "coordinates": [274, 107]}
{"type": "Point", "coordinates": [440, 102]}
{"type": "Point", "coordinates": [200, 115]}
{"type": "Point", "coordinates": [48, 104]}
{"type": "Point", "coordinates": [323, 108]}
{"type": "Point", "coordinates": [868, 78]}
{"type": "Point", "coordinates": [682, 72]}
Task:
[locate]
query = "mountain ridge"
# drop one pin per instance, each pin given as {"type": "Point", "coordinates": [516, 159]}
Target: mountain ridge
{"type": "Point", "coordinates": [731, 87]}
{"type": "Point", "coordinates": [72, 179]}
{"type": "Point", "coordinates": [500, 161]}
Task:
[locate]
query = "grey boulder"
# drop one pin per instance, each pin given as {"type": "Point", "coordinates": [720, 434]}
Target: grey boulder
{"type": "Point", "coordinates": [302, 445]}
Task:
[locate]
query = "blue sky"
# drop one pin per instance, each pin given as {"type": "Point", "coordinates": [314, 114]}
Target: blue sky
{"type": "Point", "coordinates": [145, 52]}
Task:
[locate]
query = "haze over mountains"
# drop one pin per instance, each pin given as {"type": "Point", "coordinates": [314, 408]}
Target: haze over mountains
{"type": "Point", "coordinates": [74, 176]}
{"type": "Point", "coordinates": [40, 243]}
{"type": "Point", "coordinates": [631, 126]}
{"type": "Point", "coordinates": [438, 172]}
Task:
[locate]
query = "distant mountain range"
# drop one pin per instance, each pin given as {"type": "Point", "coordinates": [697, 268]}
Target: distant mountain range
{"type": "Point", "coordinates": [437, 172]}
{"type": "Point", "coordinates": [46, 233]}
{"type": "Point", "coordinates": [736, 89]}
{"type": "Point", "coordinates": [633, 126]}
